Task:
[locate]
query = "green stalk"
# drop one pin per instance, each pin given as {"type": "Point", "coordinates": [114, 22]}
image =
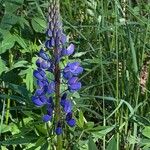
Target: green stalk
{"type": "Point", "coordinates": [3, 112]}
{"type": "Point", "coordinates": [8, 100]}
{"type": "Point", "coordinates": [104, 7]}
{"type": "Point", "coordinates": [117, 73]}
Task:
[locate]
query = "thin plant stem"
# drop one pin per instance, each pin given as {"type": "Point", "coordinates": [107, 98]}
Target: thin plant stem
{"type": "Point", "coordinates": [117, 72]}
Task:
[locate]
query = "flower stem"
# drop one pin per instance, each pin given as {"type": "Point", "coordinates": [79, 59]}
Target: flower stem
{"type": "Point", "coordinates": [58, 109]}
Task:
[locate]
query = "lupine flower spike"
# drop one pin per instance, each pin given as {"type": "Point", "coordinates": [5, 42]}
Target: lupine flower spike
{"type": "Point", "coordinates": [58, 107]}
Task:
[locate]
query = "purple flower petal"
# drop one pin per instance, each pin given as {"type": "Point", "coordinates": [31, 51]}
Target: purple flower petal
{"type": "Point", "coordinates": [69, 116]}
{"type": "Point", "coordinates": [72, 80]}
{"type": "Point", "coordinates": [38, 63]}
{"type": "Point", "coordinates": [41, 72]}
{"type": "Point", "coordinates": [64, 96]}
{"type": "Point", "coordinates": [49, 33]}
{"type": "Point", "coordinates": [49, 110]}
{"type": "Point", "coordinates": [73, 84]}
{"type": "Point", "coordinates": [43, 99]}
{"type": "Point", "coordinates": [63, 38]}
{"type": "Point", "coordinates": [42, 83]}
{"type": "Point", "coordinates": [37, 101]}
{"type": "Point", "coordinates": [39, 92]}
{"type": "Point", "coordinates": [51, 87]}
{"type": "Point", "coordinates": [69, 51]}
{"type": "Point", "coordinates": [37, 75]}
{"type": "Point", "coordinates": [67, 106]}
{"type": "Point", "coordinates": [47, 118]}
{"type": "Point", "coordinates": [67, 75]}
{"type": "Point", "coordinates": [45, 64]}
{"type": "Point", "coordinates": [71, 122]}
{"type": "Point", "coordinates": [50, 43]}
{"type": "Point", "coordinates": [74, 87]}
{"type": "Point", "coordinates": [78, 70]}
{"type": "Point", "coordinates": [43, 55]}
{"type": "Point", "coordinates": [59, 130]}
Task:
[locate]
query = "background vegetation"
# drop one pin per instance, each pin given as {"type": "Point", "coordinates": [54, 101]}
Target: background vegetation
{"type": "Point", "coordinates": [112, 41]}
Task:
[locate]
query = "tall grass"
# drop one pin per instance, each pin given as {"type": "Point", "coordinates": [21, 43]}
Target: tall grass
{"type": "Point", "coordinates": [115, 37]}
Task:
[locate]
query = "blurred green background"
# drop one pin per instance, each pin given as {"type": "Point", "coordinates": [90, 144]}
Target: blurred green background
{"type": "Point", "coordinates": [112, 39]}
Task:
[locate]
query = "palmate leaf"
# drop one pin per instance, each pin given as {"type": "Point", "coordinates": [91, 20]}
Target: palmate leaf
{"type": "Point", "coordinates": [26, 95]}
{"type": "Point", "coordinates": [91, 144]}
{"type": "Point", "coordinates": [8, 41]}
{"type": "Point", "coordinates": [112, 144]}
{"type": "Point", "coordinates": [8, 21]}
{"type": "Point", "coordinates": [4, 128]}
{"type": "Point", "coordinates": [2, 66]}
{"type": "Point", "coordinates": [14, 97]}
{"type": "Point", "coordinates": [146, 131]}
{"type": "Point", "coordinates": [20, 41]}
{"type": "Point", "coordinates": [12, 5]}
{"type": "Point", "coordinates": [21, 63]}
{"type": "Point", "coordinates": [16, 141]}
{"type": "Point", "coordinates": [38, 24]}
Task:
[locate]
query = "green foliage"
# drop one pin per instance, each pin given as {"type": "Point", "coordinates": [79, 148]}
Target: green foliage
{"type": "Point", "coordinates": [112, 42]}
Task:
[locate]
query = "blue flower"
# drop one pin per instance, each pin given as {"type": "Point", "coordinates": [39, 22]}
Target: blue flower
{"type": "Point", "coordinates": [63, 38]}
{"type": "Point", "coordinates": [39, 74]}
{"type": "Point", "coordinates": [39, 100]}
{"type": "Point", "coordinates": [39, 92]}
{"type": "Point", "coordinates": [70, 121]}
{"type": "Point", "coordinates": [50, 43]}
{"type": "Point", "coordinates": [72, 69]}
{"type": "Point", "coordinates": [66, 104]}
{"type": "Point", "coordinates": [73, 84]}
{"type": "Point", "coordinates": [58, 129]}
{"type": "Point", "coordinates": [43, 55]}
{"type": "Point", "coordinates": [50, 108]}
{"type": "Point", "coordinates": [47, 118]}
{"type": "Point", "coordinates": [51, 87]}
{"type": "Point", "coordinates": [69, 51]}
{"type": "Point", "coordinates": [49, 33]}
{"type": "Point", "coordinates": [43, 64]}
{"type": "Point", "coordinates": [42, 83]}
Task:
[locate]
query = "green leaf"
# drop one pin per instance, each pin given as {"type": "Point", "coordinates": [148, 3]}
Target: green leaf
{"type": "Point", "coordinates": [79, 54]}
{"type": "Point", "coordinates": [146, 131]}
{"type": "Point", "coordinates": [102, 132]}
{"type": "Point", "coordinates": [2, 66]}
{"type": "Point", "coordinates": [12, 5]}
{"type": "Point", "coordinates": [20, 90]}
{"type": "Point", "coordinates": [112, 144]}
{"type": "Point", "coordinates": [20, 41]}
{"type": "Point", "coordinates": [4, 128]}
{"type": "Point", "coordinates": [19, 64]}
{"type": "Point", "coordinates": [29, 80]}
{"type": "Point", "coordinates": [7, 43]}
{"type": "Point", "coordinates": [17, 98]}
{"type": "Point", "coordinates": [8, 21]}
{"type": "Point", "coordinates": [80, 121]}
{"type": "Point", "coordinates": [15, 141]}
{"type": "Point", "coordinates": [41, 129]}
{"type": "Point", "coordinates": [91, 144]}
{"type": "Point", "coordinates": [38, 24]}
{"type": "Point", "coordinates": [89, 125]}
